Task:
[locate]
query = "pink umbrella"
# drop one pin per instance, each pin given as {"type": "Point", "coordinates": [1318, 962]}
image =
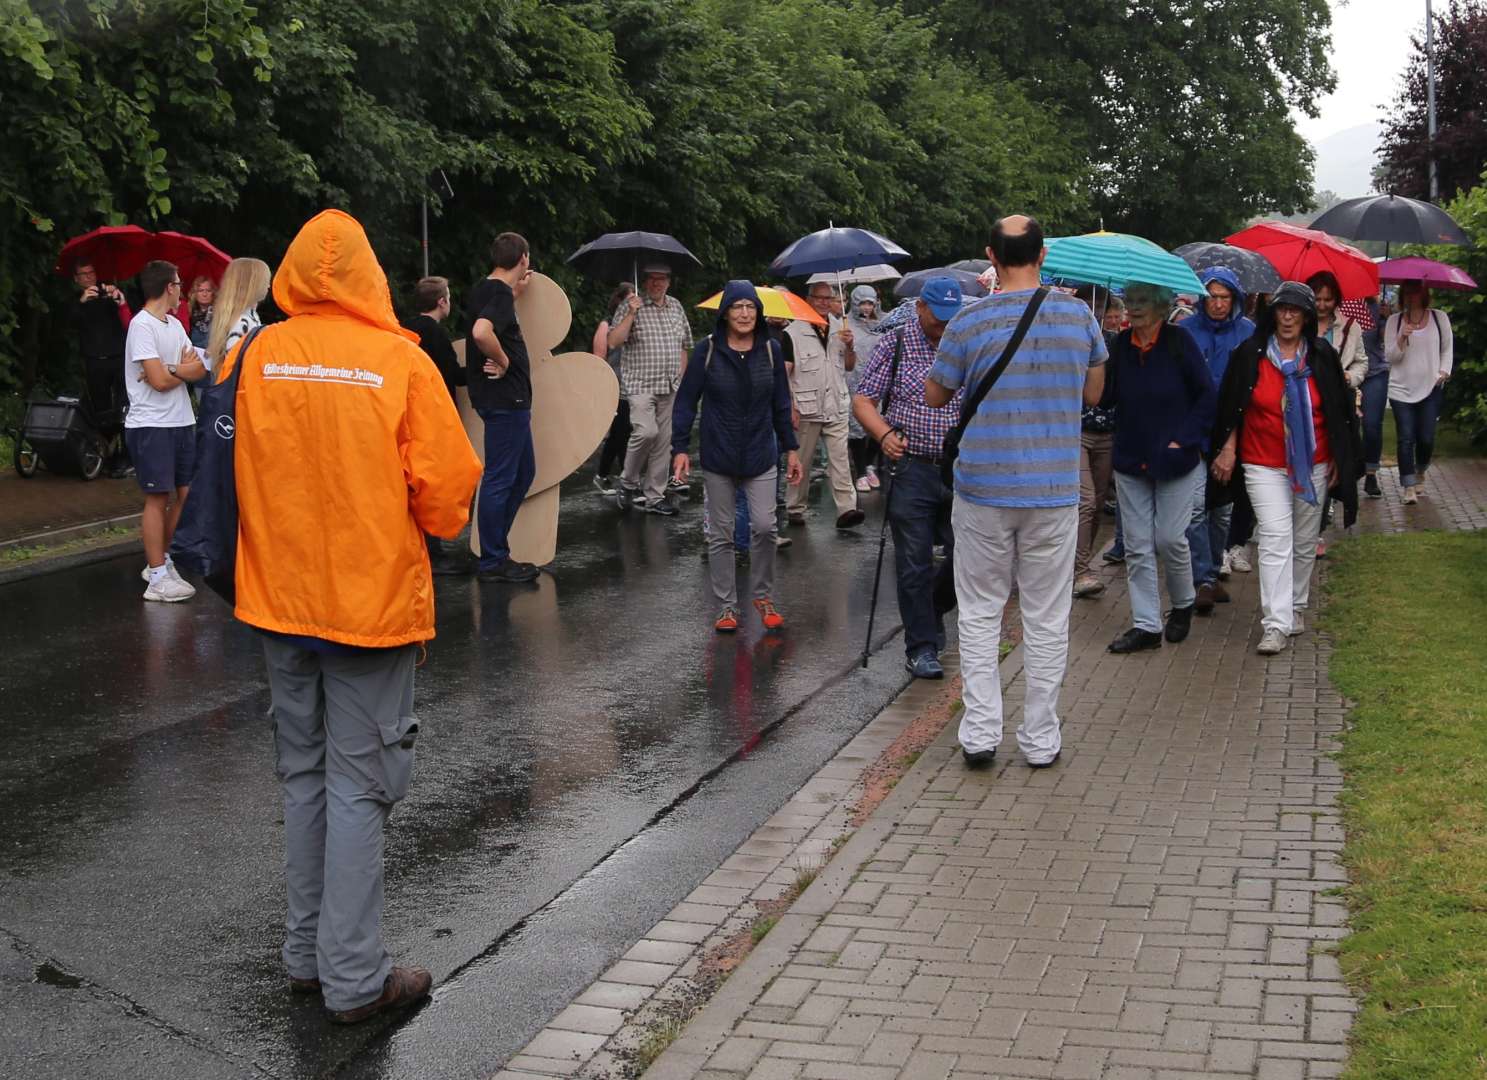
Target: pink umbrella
{"type": "Point", "coordinates": [1437, 275]}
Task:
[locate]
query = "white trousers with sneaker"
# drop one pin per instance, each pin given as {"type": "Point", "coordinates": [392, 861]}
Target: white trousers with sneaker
{"type": "Point", "coordinates": [995, 546]}
{"type": "Point", "coordinates": [1286, 528]}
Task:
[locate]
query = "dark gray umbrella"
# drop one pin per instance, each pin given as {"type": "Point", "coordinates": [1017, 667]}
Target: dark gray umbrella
{"type": "Point", "coordinates": [618, 256]}
{"type": "Point", "coordinates": [1392, 219]}
{"type": "Point", "coordinates": [1253, 270]}
{"type": "Point", "coordinates": [971, 266]}
{"type": "Point", "coordinates": [913, 284]}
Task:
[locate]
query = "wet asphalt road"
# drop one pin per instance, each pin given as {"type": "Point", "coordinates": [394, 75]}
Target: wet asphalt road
{"type": "Point", "coordinates": [590, 752]}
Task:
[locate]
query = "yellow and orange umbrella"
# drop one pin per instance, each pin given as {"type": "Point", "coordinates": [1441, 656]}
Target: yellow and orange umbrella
{"type": "Point", "coordinates": [777, 305]}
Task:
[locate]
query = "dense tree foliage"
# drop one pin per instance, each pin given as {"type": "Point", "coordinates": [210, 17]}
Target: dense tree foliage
{"type": "Point", "coordinates": [1182, 106]}
{"type": "Point", "coordinates": [1460, 108]}
{"type": "Point", "coordinates": [736, 127]}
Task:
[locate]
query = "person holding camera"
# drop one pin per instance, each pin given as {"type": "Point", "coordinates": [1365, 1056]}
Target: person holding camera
{"type": "Point", "coordinates": [102, 318]}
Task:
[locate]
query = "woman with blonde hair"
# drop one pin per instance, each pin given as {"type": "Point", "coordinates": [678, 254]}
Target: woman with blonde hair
{"type": "Point", "coordinates": [203, 295]}
{"type": "Point", "coordinates": [235, 314]}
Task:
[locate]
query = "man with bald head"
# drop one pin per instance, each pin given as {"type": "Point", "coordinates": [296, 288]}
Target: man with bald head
{"type": "Point", "coordinates": [1016, 509]}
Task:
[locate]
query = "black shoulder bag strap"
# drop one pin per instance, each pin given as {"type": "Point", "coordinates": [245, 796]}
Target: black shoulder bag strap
{"type": "Point", "coordinates": [898, 352]}
{"type": "Point", "coordinates": [971, 404]}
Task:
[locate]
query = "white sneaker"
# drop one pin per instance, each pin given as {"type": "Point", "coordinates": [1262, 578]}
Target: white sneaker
{"type": "Point", "coordinates": [872, 477]}
{"type": "Point", "coordinates": [1272, 641]}
{"type": "Point", "coordinates": [1298, 624]}
{"type": "Point", "coordinates": [169, 590]}
{"type": "Point", "coordinates": [1239, 560]}
{"type": "Point", "coordinates": [1226, 566]}
{"type": "Point", "coordinates": [864, 484]}
{"type": "Point", "coordinates": [144, 575]}
{"type": "Point", "coordinates": [1409, 498]}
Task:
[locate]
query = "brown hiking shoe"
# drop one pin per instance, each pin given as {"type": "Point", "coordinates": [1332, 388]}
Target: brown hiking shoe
{"type": "Point", "coordinates": [404, 987]}
{"type": "Point", "coordinates": [1204, 602]}
{"type": "Point", "coordinates": [304, 986]}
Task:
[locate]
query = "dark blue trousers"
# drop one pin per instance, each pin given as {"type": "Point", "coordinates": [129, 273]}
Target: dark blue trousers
{"type": "Point", "coordinates": [510, 465]}
{"type": "Point", "coordinates": [919, 515]}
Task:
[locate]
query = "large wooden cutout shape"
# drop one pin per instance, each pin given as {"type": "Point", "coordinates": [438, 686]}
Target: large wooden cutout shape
{"type": "Point", "coordinates": [574, 397]}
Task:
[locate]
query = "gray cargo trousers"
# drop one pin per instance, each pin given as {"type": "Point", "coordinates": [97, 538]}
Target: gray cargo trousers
{"type": "Point", "coordinates": [340, 726]}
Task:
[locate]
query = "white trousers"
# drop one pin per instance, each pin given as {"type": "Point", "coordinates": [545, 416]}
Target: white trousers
{"type": "Point", "coordinates": [993, 547]}
{"type": "Point", "coordinates": [1286, 529]}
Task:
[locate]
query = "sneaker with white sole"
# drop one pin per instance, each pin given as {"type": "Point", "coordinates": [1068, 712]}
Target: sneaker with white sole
{"type": "Point", "coordinates": [1298, 624]}
{"type": "Point", "coordinates": [169, 590]}
{"type": "Point", "coordinates": [872, 478]}
{"type": "Point", "coordinates": [144, 575]}
{"type": "Point", "coordinates": [1226, 567]}
{"type": "Point", "coordinates": [1408, 496]}
{"type": "Point", "coordinates": [1272, 641]}
{"type": "Point", "coordinates": [1239, 560]}
{"type": "Point", "coordinates": [862, 484]}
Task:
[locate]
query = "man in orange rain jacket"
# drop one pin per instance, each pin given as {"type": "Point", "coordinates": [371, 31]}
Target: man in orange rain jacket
{"type": "Point", "coordinates": [348, 451]}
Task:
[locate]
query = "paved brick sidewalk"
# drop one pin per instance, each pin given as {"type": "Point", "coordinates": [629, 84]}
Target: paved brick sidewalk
{"type": "Point", "coordinates": [1158, 905]}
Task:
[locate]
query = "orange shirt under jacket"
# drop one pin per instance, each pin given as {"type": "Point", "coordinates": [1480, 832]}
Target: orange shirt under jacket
{"type": "Point", "coordinates": [348, 451]}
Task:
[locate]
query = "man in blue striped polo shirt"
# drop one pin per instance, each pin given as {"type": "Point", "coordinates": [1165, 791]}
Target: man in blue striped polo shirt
{"type": "Point", "coordinates": [1016, 513]}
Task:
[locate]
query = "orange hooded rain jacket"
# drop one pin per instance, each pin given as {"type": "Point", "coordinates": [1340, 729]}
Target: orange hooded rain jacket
{"type": "Point", "coordinates": [348, 451]}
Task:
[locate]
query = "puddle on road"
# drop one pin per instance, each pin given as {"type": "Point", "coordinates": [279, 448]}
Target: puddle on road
{"type": "Point", "coordinates": [55, 976]}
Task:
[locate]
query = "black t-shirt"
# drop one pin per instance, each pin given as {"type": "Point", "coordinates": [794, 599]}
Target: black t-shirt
{"type": "Point", "coordinates": [493, 299]}
{"type": "Point", "coordinates": [100, 331]}
{"type": "Point", "coordinates": [433, 340]}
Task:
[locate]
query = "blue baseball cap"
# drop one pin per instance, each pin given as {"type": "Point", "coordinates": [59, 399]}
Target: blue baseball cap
{"type": "Point", "coordinates": [943, 296]}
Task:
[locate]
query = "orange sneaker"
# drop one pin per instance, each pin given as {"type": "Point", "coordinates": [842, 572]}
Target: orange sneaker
{"type": "Point", "coordinates": [771, 618]}
{"type": "Point", "coordinates": [727, 622]}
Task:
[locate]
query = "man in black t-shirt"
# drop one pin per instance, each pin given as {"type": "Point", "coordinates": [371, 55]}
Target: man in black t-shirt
{"type": "Point", "coordinates": [498, 375]}
{"type": "Point", "coordinates": [431, 301]}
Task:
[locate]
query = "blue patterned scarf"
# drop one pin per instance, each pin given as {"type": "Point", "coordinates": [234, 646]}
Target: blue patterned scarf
{"type": "Point", "coordinates": [1296, 419]}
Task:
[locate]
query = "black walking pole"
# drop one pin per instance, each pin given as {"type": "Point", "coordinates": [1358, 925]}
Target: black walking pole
{"type": "Point", "coordinates": [872, 611]}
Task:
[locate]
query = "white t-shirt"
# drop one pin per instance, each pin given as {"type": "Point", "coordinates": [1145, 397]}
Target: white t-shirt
{"type": "Point", "coordinates": [1414, 370]}
{"type": "Point", "coordinates": [152, 339]}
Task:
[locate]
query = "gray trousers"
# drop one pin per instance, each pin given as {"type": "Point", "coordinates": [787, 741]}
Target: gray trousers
{"type": "Point", "coordinates": [340, 724]}
{"type": "Point", "coordinates": [759, 491]}
{"type": "Point", "coordinates": [648, 457]}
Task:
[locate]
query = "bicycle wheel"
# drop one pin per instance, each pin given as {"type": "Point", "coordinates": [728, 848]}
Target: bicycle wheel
{"type": "Point", "coordinates": [25, 458]}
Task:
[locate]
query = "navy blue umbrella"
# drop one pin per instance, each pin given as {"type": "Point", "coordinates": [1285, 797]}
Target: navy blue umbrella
{"type": "Point", "coordinates": [618, 256]}
{"type": "Point", "coordinates": [913, 284]}
{"type": "Point", "coordinates": [835, 249]}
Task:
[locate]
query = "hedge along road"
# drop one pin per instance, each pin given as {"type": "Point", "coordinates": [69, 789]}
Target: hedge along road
{"type": "Point", "coordinates": [590, 751]}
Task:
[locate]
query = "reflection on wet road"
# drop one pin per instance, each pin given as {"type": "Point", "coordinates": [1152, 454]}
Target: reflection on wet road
{"type": "Point", "coordinates": [590, 751]}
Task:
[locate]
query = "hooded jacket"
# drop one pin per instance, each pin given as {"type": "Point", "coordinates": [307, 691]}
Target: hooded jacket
{"type": "Point", "coordinates": [1217, 340]}
{"type": "Point", "coordinates": [745, 398]}
{"type": "Point", "coordinates": [348, 450]}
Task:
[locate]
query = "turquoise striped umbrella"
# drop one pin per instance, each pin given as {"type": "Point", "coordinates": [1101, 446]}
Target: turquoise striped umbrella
{"type": "Point", "coordinates": [1115, 260]}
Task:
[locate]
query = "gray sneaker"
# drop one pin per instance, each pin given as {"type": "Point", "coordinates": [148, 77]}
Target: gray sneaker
{"type": "Point", "coordinates": [1272, 641]}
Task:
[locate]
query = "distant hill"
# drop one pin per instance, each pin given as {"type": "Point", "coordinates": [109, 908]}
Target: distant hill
{"type": "Point", "coordinates": [1345, 160]}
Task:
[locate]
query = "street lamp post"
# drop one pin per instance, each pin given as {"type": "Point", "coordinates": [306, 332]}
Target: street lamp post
{"type": "Point", "coordinates": [1430, 97]}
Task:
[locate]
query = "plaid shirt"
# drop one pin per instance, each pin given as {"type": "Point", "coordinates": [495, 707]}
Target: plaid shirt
{"type": "Point", "coordinates": [926, 428]}
{"type": "Point", "coordinates": [651, 362]}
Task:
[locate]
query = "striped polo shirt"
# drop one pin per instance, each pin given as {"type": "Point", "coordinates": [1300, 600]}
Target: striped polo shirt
{"type": "Point", "coordinates": [1022, 447]}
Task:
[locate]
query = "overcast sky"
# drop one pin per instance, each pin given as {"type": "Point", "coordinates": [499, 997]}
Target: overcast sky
{"type": "Point", "coordinates": [1371, 41]}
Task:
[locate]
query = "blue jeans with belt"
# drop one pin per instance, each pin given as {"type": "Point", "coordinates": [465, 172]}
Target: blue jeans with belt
{"type": "Point", "coordinates": [510, 467]}
{"type": "Point", "coordinates": [919, 515]}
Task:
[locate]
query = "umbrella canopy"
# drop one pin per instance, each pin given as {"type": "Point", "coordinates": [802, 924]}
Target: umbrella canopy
{"type": "Point", "coordinates": [913, 284]}
{"type": "Point", "coordinates": [116, 251]}
{"type": "Point", "coordinates": [1392, 219]}
{"type": "Point", "coordinates": [835, 249]}
{"type": "Point", "coordinates": [1299, 253]}
{"type": "Point", "coordinates": [862, 275]}
{"type": "Point", "coordinates": [1437, 275]}
{"type": "Point", "coordinates": [971, 266]}
{"type": "Point", "coordinates": [618, 256]}
{"type": "Point", "coordinates": [1254, 273]}
{"type": "Point", "coordinates": [193, 257]}
{"type": "Point", "coordinates": [777, 305]}
{"type": "Point", "coordinates": [1113, 260]}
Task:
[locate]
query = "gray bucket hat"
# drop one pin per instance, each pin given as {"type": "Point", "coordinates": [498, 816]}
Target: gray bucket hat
{"type": "Point", "coordinates": [1296, 295]}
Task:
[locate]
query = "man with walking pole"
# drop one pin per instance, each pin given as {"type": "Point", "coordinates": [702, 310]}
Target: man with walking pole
{"type": "Point", "coordinates": [889, 404]}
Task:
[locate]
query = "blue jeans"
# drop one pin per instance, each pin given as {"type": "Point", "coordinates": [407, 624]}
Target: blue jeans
{"type": "Point", "coordinates": [1414, 422]}
{"type": "Point", "coordinates": [1375, 398]}
{"type": "Point", "coordinates": [1200, 544]}
{"type": "Point", "coordinates": [1156, 514]}
{"type": "Point", "coordinates": [510, 466]}
{"type": "Point", "coordinates": [919, 515]}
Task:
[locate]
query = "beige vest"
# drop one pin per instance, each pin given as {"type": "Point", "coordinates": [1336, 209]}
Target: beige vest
{"type": "Point", "coordinates": [819, 381]}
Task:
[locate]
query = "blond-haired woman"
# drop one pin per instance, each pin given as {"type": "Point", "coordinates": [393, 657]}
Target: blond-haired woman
{"type": "Point", "coordinates": [235, 314]}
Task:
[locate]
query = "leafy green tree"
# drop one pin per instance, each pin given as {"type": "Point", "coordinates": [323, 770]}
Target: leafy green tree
{"type": "Point", "coordinates": [1466, 391]}
{"type": "Point", "coordinates": [1460, 104]}
{"type": "Point", "coordinates": [1182, 106]}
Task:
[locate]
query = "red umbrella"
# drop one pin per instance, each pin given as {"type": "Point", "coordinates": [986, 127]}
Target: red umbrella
{"type": "Point", "coordinates": [193, 256]}
{"type": "Point", "coordinates": [116, 251]}
{"type": "Point", "coordinates": [1298, 253]}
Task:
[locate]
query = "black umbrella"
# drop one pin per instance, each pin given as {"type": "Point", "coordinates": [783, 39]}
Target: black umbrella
{"type": "Point", "coordinates": [1253, 270]}
{"type": "Point", "coordinates": [971, 266]}
{"type": "Point", "coordinates": [618, 256]}
{"type": "Point", "coordinates": [1392, 219]}
{"type": "Point", "coordinates": [913, 284]}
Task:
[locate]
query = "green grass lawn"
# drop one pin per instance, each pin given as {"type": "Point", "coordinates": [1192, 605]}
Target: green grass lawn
{"type": "Point", "coordinates": [1407, 613]}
